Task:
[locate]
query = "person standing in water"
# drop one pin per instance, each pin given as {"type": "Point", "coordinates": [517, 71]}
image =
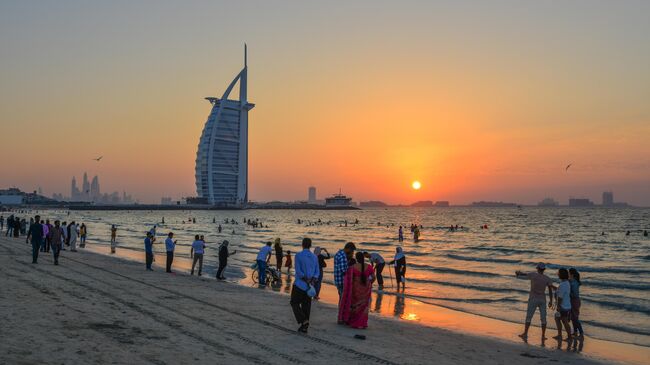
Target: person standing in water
{"type": "Point", "coordinates": [399, 261]}
{"type": "Point", "coordinates": [170, 245]}
{"type": "Point", "coordinates": [113, 238]}
{"type": "Point", "coordinates": [288, 263]}
{"type": "Point", "coordinates": [400, 234]}
{"type": "Point", "coordinates": [36, 235]}
{"type": "Point", "coordinates": [563, 305]}
{"type": "Point", "coordinates": [536, 298]}
{"type": "Point", "coordinates": [148, 251]}
{"type": "Point", "coordinates": [223, 259]}
{"type": "Point", "coordinates": [378, 262]}
{"type": "Point", "coordinates": [263, 257]}
{"type": "Point", "coordinates": [574, 281]}
{"type": "Point", "coordinates": [306, 276]}
{"type": "Point", "coordinates": [196, 252]}
{"type": "Point", "coordinates": [278, 254]}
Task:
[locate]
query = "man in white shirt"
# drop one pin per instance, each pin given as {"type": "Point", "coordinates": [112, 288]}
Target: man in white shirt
{"type": "Point", "coordinates": [263, 258]}
{"type": "Point", "coordinates": [170, 245]}
{"type": "Point", "coordinates": [196, 252]}
{"type": "Point", "coordinates": [378, 262]}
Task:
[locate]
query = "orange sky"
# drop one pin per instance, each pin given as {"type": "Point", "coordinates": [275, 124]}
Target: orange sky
{"type": "Point", "coordinates": [477, 102]}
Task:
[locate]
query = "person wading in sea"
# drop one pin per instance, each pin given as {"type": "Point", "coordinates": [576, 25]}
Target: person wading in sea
{"type": "Point", "coordinates": [537, 299]}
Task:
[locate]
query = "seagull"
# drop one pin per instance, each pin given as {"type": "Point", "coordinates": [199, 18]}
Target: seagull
{"type": "Point", "coordinates": [98, 158]}
{"type": "Point", "coordinates": [566, 169]}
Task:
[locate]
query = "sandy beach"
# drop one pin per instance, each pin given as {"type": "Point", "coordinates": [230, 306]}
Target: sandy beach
{"type": "Point", "coordinates": [98, 309]}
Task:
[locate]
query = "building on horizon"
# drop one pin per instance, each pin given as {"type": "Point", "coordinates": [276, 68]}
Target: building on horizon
{"type": "Point", "coordinates": [580, 202]}
{"type": "Point", "coordinates": [608, 198]}
{"type": "Point", "coordinates": [441, 203]}
{"type": "Point", "coordinates": [548, 202]}
{"type": "Point", "coordinates": [221, 170]}
{"type": "Point", "coordinates": [311, 195]}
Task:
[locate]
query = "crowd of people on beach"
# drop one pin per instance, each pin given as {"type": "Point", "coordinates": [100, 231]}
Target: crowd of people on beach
{"type": "Point", "coordinates": [567, 301]}
{"type": "Point", "coordinates": [354, 271]}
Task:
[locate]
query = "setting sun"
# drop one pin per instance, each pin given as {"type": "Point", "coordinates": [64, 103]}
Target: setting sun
{"type": "Point", "coordinates": [416, 185]}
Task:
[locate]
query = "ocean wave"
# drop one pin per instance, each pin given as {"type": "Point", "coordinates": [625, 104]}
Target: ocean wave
{"type": "Point", "coordinates": [508, 250]}
{"type": "Point", "coordinates": [483, 259]}
{"type": "Point", "coordinates": [609, 270]}
{"type": "Point", "coordinates": [470, 286]}
{"type": "Point", "coordinates": [424, 298]}
{"type": "Point", "coordinates": [448, 270]}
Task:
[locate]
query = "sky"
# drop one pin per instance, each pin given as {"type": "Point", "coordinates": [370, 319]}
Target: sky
{"type": "Point", "coordinates": [477, 100]}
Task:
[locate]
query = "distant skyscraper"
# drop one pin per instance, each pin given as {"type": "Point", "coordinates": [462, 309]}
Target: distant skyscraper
{"type": "Point", "coordinates": [74, 190]}
{"type": "Point", "coordinates": [608, 198]}
{"type": "Point", "coordinates": [222, 157]}
{"type": "Point", "coordinates": [95, 193]}
{"type": "Point", "coordinates": [311, 194]}
{"type": "Point", "coordinates": [85, 191]}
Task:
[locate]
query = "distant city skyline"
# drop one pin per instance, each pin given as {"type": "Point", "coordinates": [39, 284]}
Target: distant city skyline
{"type": "Point", "coordinates": [476, 100]}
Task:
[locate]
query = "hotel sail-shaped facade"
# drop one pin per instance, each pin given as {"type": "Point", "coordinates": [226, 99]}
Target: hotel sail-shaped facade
{"type": "Point", "coordinates": [222, 155]}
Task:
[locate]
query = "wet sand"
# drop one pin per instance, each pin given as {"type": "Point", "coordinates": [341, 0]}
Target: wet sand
{"type": "Point", "coordinates": [94, 308]}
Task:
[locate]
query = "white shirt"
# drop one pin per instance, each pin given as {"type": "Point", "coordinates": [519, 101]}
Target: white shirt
{"type": "Point", "coordinates": [264, 253]}
{"type": "Point", "coordinates": [564, 292]}
{"type": "Point", "coordinates": [376, 258]}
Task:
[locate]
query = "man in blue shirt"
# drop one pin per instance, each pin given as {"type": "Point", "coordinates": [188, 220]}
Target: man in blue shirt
{"type": "Point", "coordinates": [148, 251]}
{"type": "Point", "coordinates": [307, 272]}
{"type": "Point", "coordinates": [170, 245]}
{"type": "Point", "coordinates": [263, 258]}
{"type": "Point", "coordinates": [341, 260]}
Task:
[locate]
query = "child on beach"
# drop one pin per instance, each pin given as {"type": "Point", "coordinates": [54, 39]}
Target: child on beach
{"type": "Point", "coordinates": [288, 262]}
{"type": "Point", "coordinates": [113, 238]}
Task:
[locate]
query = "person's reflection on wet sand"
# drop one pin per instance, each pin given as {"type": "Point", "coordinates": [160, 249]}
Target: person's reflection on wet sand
{"type": "Point", "coordinates": [577, 343]}
{"type": "Point", "coordinates": [287, 287]}
{"type": "Point", "coordinates": [378, 298]}
{"type": "Point", "coordinates": [399, 305]}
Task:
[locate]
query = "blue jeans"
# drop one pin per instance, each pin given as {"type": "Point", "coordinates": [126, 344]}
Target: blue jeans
{"type": "Point", "coordinates": [261, 267]}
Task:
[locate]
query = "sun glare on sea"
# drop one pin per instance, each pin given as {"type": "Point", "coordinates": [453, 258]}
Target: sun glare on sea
{"type": "Point", "coordinates": [416, 185]}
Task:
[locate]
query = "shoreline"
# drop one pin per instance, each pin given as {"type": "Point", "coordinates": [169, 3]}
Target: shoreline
{"type": "Point", "coordinates": [401, 308]}
{"type": "Point", "coordinates": [110, 310]}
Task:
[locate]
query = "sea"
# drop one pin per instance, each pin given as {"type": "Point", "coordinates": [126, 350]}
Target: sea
{"type": "Point", "coordinates": [470, 269]}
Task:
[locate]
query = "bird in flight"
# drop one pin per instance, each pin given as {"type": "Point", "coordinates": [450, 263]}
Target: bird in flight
{"type": "Point", "coordinates": [98, 158]}
{"type": "Point", "coordinates": [567, 167]}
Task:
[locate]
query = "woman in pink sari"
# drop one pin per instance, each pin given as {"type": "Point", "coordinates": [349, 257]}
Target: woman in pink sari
{"type": "Point", "coordinates": [355, 300]}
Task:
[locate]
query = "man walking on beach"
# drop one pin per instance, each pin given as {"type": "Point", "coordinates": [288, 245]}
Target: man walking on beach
{"type": "Point", "coordinates": [341, 263]}
{"type": "Point", "coordinates": [196, 252]}
{"type": "Point", "coordinates": [36, 234]}
{"type": "Point", "coordinates": [536, 299]}
{"type": "Point", "coordinates": [148, 251]}
{"type": "Point", "coordinates": [307, 272]}
{"type": "Point", "coordinates": [55, 238]}
{"type": "Point", "coordinates": [170, 245]}
{"type": "Point", "coordinates": [263, 258]}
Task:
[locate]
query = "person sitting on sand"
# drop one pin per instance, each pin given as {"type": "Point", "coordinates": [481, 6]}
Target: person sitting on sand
{"type": "Point", "coordinates": [196, 252]}
{"type": "Point", "coordinates": [399, 261]}
{"type": "Point", "coordinates": [223, 259]}
{"type": "Point", "coordinates": [536, 298]}
{"type": "Point", "coordinates": [306, 275]}
{"type": "Point", "coordinates": [288, 262]}
{"type": "Point", "coordinates": [563, 305]}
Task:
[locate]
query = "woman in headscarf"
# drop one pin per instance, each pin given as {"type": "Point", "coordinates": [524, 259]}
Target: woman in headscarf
{"type": "Point", "coordinates": [355, 299]}
{"type": "Point", "coordinates": [321, 265]}
{"type": "Point", "coordinates": [400, 267]}
{"type": "Point", "coordinates": [223, 259]}
{"type": "Point", "coordinates": [279, 254]}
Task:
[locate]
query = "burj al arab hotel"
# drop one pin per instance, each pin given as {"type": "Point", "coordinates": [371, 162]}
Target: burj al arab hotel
{"type": "Point", "coordinates": [222, 156]}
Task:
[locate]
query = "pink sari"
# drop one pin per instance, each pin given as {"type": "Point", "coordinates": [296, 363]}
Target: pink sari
{"type": "Point", "coordinates": [355, 300]}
